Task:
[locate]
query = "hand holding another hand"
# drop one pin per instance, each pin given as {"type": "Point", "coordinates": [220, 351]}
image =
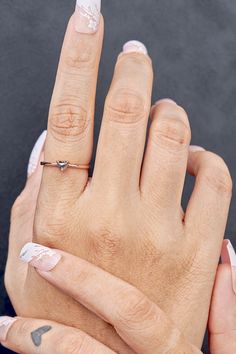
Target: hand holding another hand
{"type": "Point", "coordinates": [127, 219]}
{"type": "Point", "coordinates": [137, 320]}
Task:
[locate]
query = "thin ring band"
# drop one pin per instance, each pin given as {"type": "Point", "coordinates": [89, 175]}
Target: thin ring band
{"type": "Point", "coordinates": [63, 165]}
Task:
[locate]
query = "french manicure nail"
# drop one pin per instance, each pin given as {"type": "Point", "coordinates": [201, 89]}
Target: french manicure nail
{"type": "Point", "coordinates": [87, 16]}
{"type": "Point", "coordinates": [165, 100]}
{"type": "Point", "coordinates": [35, 154]}
{"type": "Point", "coordinates": [135, 47]}
{"type": "Point", "coordinates": [5, 325]}
{"type": "Point", "coordinates": [40, 257]}
{"type": "Point", "coordinates": [195, 148]}
{"type": "Point", "coordinates": [228, 256]}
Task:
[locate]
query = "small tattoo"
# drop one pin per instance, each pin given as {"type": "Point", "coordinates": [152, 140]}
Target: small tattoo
{"type": "Point", "coordinates": [36, 335]}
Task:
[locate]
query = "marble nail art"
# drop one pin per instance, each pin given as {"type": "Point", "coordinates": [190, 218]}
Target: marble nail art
{"type": "Point", "coordinates": [40, 257]}
{"type": "Point", "coordinates": [87, 15]}
{"type": "Point", "coordinates": [135, 47]}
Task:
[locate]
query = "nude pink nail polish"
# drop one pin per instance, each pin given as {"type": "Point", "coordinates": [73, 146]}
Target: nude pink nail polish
{"type": "Point", "coordinates": [35, 154]}
{"type": "Point", "coordinates": [195, 148]}
{"type": "Point", "coordinates": [87, 16]}
{"type": "Point", "coordinates": [228, 256]}
{"type": "Point", "coordinates": [135, 47]}
{"type": "Point", "coordinates": [165, 100]}
{"type": "Point", "coordinates": [5, 324]}
{"type": "Point", "coordinates": [40, 257]}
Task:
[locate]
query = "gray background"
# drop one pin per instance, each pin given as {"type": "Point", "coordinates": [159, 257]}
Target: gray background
{"type": "Point", "coordinates": [192, 43]}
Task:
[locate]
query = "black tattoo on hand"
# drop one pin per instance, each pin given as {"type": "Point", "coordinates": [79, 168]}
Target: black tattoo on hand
{"type": "Point", "coordinates": [36, 335]}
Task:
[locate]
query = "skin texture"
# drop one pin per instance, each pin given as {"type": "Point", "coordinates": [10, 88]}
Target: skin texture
{"type": "Point", "coordinates": [128, 218]}
{"type": "Point", "coordinates": [138, 321]}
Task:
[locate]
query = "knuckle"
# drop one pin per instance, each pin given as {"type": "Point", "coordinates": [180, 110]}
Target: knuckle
{"type": "Point", "coordinates": [22, 329]}
{"type": "Point", "coordinates": [126, 106]}
{"type": "Point", "coordinates": [136, 60]}
{"type": "Point", "coordinates": [74, 60]}
{"type": "Point", "coordinates": [104, 243]}
{"type": "Point", "coordinates": [173, 128]}
{"type": "Point", "coordinates": [74, 344]}
{"type": "Point", "coordinates": [216, 174]}
{"type": "Point", "coordinates": [19, 208]}
{"type": "Point", "coordinates": [51, 234]}
{"type": "Point", "coordinates": [68, 120]}
{"type": "Point", "coordinates": [134, 309]}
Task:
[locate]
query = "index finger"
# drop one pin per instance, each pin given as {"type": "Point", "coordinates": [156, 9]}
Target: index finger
{"type": "Point", "coordinates": [71, 114]}
{"type": "Point", "coordinates": [31, 336]}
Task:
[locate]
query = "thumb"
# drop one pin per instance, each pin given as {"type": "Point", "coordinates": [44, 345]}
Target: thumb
{"type": "Point", "coordinates": [23, 210]}
{"type": "Point", "coordinates": [28, 197]}
{"type": "Point", "coordinates": [22, 219]}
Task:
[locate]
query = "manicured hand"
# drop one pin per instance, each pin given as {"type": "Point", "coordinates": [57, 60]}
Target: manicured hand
{"type": "Point", "coordinates": [95, 292]}
{"type": "Point", "coordinates": [127, 219]}
{"type": "Point", "coordinates": [136, 319]}
{"type": "Point", "coordinates": [139, 322]}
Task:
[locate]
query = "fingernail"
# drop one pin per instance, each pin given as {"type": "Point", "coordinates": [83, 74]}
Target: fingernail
{"type": "Point", "coordinates": [35, 154]}
{"type": "Point", "coordinates": [165, 100]}
{"type": "Point", "coordinates": [135, 47]}
{"type": "Point", "coordinates": [40, 257]}
{"type": "Point", "coordinates": [195, 148]}
{"type": "Point", "coordinates": [87, 15]}
{"type": "Point", "coordinates": [5, 325]}
{"type": "Point", "coordinates": [228, 256]}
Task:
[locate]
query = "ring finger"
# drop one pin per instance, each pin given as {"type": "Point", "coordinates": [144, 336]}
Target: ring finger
{"type": "Point", "coordinates": [123, 132]}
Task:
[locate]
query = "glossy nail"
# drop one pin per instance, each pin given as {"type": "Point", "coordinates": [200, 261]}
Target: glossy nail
{"type": "Point", "coordinates": [35, 154]}
{"type": "Point", "coordinates": [228, 256]}
{"type": "Point", "coordinates": [5, 325]}
{"type": "Point", "coordinates": [87, 16]}
{"type": "Point", "coordinates": [165, 100]}
{"type": "Point", "coordinates": [40, 257]}
{"type": "Point", "coordinates": [195, 148]}
{"type": "Point", "coordinates": [135, 47]}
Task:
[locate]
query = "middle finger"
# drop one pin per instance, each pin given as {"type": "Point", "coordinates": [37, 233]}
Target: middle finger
{"type": "Point", "coordinates": [123, 132]}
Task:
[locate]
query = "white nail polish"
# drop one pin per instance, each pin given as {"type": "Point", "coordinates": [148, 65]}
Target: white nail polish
{"type": "Point", "coordinates": [135, 47]}
{"type": "Point", "coordinates": [35, 154]}
{"type": "Point", "coordinates": [195, 148]}
{"type": "Point", "coordinates": [165, 100]}
{"type": "Point", "coordinates": [228, 256]}
{"type": "Point", "coordinates": [87, 16]}
{"type": "Point", "coordinates": [40, 257]}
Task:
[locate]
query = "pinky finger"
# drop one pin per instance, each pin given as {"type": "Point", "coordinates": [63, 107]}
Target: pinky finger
{"type": "Point", "coordinates": [222, 321]}
{"type": "Point", "coordinates": [40, 336]}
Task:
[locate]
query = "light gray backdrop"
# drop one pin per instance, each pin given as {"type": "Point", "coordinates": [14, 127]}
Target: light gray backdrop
{"type": "Point", "coordinates": [193, 46]}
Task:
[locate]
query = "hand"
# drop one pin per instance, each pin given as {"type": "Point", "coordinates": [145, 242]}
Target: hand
{"type": "Point", "coordinates": [128, 218]}
{"type": "Point", "coordinates": [223, 306]}
{"type": "Point", "coordinates": [136, 319]}
{"type": "Point", "coordinates": [139, 322]}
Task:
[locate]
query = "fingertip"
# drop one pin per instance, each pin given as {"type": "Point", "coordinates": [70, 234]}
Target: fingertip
{"type": "Point", "coordinates": [195, 148]}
